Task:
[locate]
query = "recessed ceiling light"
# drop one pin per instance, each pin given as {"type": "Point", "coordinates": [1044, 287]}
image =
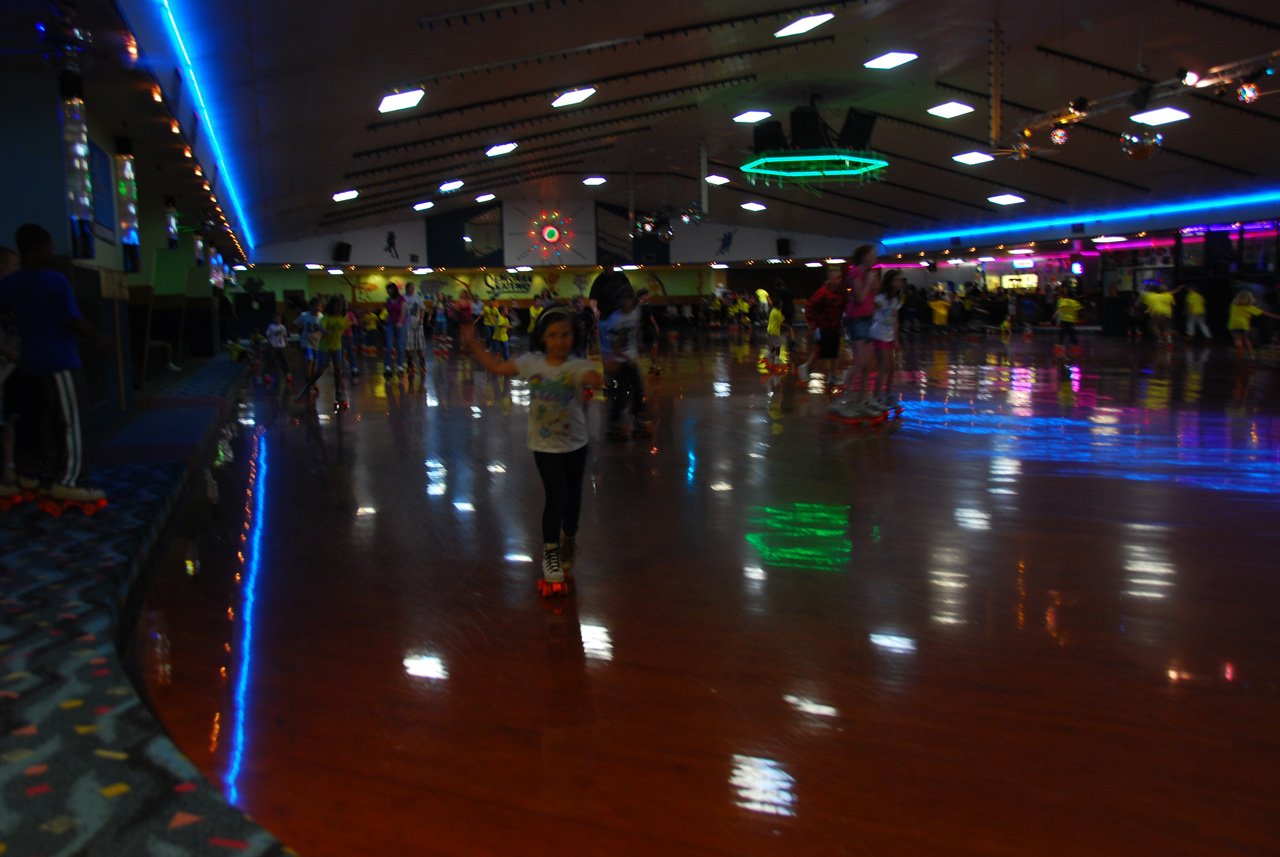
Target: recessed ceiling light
{"type": "Point", "coordinates": [813, 264]}
{"type": "Point", "coordinates": [1108, 239]}
{"type": "Point", "coordinates": [466, 238]}
{"type": "Point", "coordinates": [401, 100]}
{"type": "Point", "coordinates": [717, 180]}
{"type": "Point", "coordinates": [1021, 251]}
{"type": "Point", "coordinates": [628, 267]}
{"type": "Point", "coordinates": [239, 267]}
{"type": "Point", "coordinates": [1163, 116]}
{"type": "Point", "coordinates": [502, 149]}
{"type": "Point", "coordinates": [486, 197]}
{"type": "Point", "coordinates": [344, 195]}
{"type": "Point", "coordinates": [523, 269]}
{"type": "Point", "coordinates": [719, 266]}
{"type": "Point", "coordinates": [575, 96]}
{"type": "Point", "coordinates": [950, 110]}
{"type": "Point", "coordinates": [972, 158]}
{"type": "Point", "coordinates": [804, 25]}
{"type": "Point", "coordinates": [893, 59]}
{"type": "Point", "coordinates": [986, 258]}
{"type": "Point", "coordinates": [592, 181]}
{"type": "Point", "coordinates": [753, 206]}
{"type": "Point", "coordinates": [451, 185]}
{"type": "Point", "coordinates": [423, 206]}
{"type": "Point", "coordinates": [420, 271]}
{"type": "Point", "coordinates": [752, 116]}
{"type": "Point", "coordinates": [1006, 199]}
{"type": "Point", "coordinates": [314, 267]}
{"type": "Point", "coordinates": [836, 261]}
{"type": "Point", "coordinates": [335, 271]}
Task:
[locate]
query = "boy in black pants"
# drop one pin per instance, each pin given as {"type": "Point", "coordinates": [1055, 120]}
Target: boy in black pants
{"type": "Point", "coordinates": [51, 389]}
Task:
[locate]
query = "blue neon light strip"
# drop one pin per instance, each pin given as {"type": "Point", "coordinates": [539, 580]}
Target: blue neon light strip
{"type": "Point", "coordinates": [246, 618]}
{"type": "Point", "coordinates": [224, 173]}
{"type": "Point", "coordinates": [1195, 205]}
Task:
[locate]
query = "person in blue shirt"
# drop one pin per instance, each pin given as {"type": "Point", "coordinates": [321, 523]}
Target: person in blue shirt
{"type": "Point", "coordinates": [50, 393]}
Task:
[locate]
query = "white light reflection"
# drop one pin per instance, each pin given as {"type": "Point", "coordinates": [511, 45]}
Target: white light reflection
{"type": "Point", "coordinates": [596, 642]}
{"type": "Point", "coordinates": [365, 510]}
{"type": "Point", "coordinates": [808, 706]}
{"type": "Point", "coordinates": [894, 643]}
{"type": "Point", "coordinates": [1148, 573]}
{"type": "Point", "coordinates": [721, 486]}
{"type": "Point", "coordinates": [437, 478]}
{"type": "Point", "coordinates": [721, 389]}
{"type": "Point", "coordinates": [763, 786]}
{"type": "Point", "coordinates": [949, 582]}
{"type": "Point", "coordinates": [426, 666]}
{"type": "Point", "coordinates": [497, 467]}
{"type": "Point", "coordinates": [475, 411]}
{"type": "Point", "coordinates": [519, 392]}
{"type": "Point", "coordinates": [463, 506]}
{"type": "Point", "coordinates": [754, 573]}
{"type": "Point", "coordinates": [518, 557]}
{"type": "Point", "coordinates": [973, 519]}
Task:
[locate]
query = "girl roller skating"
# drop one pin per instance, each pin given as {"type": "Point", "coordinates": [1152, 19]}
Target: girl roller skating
{"type": "Point", "coordinates": [557, 428]}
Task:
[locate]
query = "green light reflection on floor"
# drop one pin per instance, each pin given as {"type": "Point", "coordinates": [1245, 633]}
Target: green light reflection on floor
{"type": "Point", "coordinates": [803, 535]}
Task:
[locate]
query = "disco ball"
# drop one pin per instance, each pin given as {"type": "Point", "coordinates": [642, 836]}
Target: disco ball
{"type": "Point", "coordinates": [1248, 93]}
{"type": "Point", "coordinates": [1139, 147]}
{"type": "Point", "coordinates": [1058, 136]}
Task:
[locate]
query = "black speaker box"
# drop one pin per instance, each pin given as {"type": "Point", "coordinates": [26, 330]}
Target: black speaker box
{"type": "Point", "coordinates": [768, 136]}
{"type": "Point", "coordinates": [341, 251]}
{"type": "Point", "coordinates": [856, 133]}
{"type": "Point", "coordinates": [784, 248]}
{"type": "Point", "coordinates": [808, 131]}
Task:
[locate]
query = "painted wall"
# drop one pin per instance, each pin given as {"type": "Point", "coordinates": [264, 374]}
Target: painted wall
{"type": "Point", "coordinates": [566, 284]}
{"type": "Point", "coordinates": [368, 247]}
{"type": "Point", "coordinates": [33, 180]}
{"type": "Point", "coordinates": [718, 242]}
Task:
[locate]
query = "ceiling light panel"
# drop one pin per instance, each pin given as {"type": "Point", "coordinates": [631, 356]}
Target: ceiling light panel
{"type": "Point", "coordinates": [893, 59]}
{"type": "Point", "coordinates": [754, 206]}
{"type": "Point", "coordinates": [804, 25]}
{"type": "Point", "coordinates": [1006, 199]}
{"type": "Point", "coordinates": [752, 116]}
{"type": "Point", "coordinates": [971, 158]}
{"type": "Point", "coordinates": [950, 110]}
{"type": "Point", "coordinates": [502, 149]}
{"type": "Point", "coordinates": [1162, 116]}
{"type": "Point", "coordinates": [401, 100]}
{"type": "Point", "coordinates": [576, 96]}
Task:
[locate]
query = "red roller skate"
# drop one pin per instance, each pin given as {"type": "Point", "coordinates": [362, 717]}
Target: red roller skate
{"type": "Point", "coordinates": [59, 498]}
{"type": "Point", "coordinates": [341, 406]}
{"type": "Point", "coordinates": [554, 581]}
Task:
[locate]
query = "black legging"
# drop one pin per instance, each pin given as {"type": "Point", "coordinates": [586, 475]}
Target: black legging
{"type": "Point", "coordinates": [561, 474]}
{"type": "Point", "coordinates": [626, 392]}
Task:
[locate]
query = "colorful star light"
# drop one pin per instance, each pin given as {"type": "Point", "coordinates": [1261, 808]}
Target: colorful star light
{"type": "Point", "coordinates": [551, 234]}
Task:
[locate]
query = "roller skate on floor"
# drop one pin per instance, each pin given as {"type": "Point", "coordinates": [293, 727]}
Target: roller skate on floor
{"type": "Point", "coordinates": [11, 495]}
{"type": "Point", "coordinates": [340, 406]}
{"type": "Point", "coordinates": [57, 498]}
{"type": "Point", "coordinates": [553, 581]}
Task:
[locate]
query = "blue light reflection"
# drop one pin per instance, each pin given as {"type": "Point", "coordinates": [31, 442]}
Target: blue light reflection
{"type": "Point", "coordinates": [246, 620]}
{"type": "Point", "coordinates": [1125, 448]}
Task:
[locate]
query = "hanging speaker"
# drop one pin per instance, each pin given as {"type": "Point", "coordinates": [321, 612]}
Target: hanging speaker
{"type": "Point", "coordinates": [856, 133]}
{"type": "Point", "coordinates": [341, 251]}
{"type": "Point", "coordinates": [768, 136]}
{"type": "Point", "coordinates": [784, 248]}
{"type": "Point", "coordinates": [808, 131]}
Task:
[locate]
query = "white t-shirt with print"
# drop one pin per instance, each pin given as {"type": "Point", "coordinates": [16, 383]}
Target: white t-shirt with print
{"type": "Point", "coordinates": [557, 414]}
{"type": "Point", "coordinates": [414, 306]}
{"type": "Point", "coordinates": [277, 336]}
{"type": "Point", "coordinates": [885, 317]}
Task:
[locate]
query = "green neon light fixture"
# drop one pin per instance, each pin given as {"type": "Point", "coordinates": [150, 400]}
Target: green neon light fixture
{"type": "Point", "coordinates": [807, 166]}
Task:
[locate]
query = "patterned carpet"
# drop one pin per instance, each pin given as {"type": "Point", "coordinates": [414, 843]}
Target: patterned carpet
{"type": "Point", "coordinates": [85, 769]}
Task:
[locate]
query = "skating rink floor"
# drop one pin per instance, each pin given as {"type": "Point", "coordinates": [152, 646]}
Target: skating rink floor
{"type": "Point", "coordinates": [1038, 617]}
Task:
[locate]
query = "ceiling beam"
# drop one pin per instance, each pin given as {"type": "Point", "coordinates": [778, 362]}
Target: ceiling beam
{"type": "Point", "coordinates": [694, 88]}
{"type": "Point", "coordinates": [478, 150]}
{"type": "Point", "coordinates": [519, 123]}
{"type": "Point", "coordinates": [968, 175]}
{"type": "Point", "coordinates": [1215, 9]}
{"type": "Point", "coordinates": [1097, 129]}
{"type": "Point", "coordinates": [1033, 159]}
{"type": "Point", "coordinates": [1206, 99]}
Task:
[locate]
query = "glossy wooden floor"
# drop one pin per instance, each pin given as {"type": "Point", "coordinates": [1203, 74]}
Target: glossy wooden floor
{"type": "Point", "coordinates": [1039, 619]}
